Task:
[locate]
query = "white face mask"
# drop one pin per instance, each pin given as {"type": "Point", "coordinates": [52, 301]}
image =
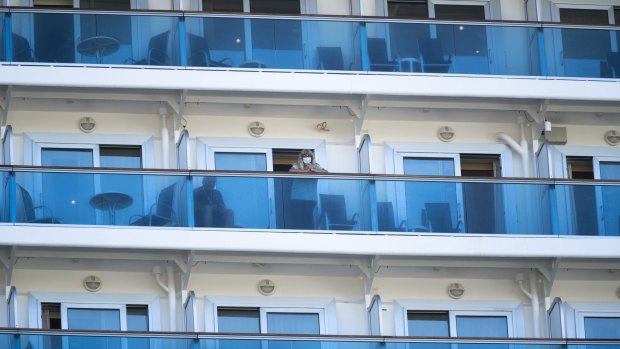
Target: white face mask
{"type": "Point", "coordinates": [307, 159]}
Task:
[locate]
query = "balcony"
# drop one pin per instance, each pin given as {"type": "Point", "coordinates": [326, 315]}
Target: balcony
{"type": "Point", "coordinates": [247, 201]}
{"type": "Point", "coordinates": [45, 339]}
{"type": "Point", "coordinates": [234, 42]}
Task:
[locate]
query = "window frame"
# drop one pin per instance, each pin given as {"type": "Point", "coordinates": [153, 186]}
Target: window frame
{"type": "Point", "coordinates": [577, 311]}
{"type": "Point", "coordinates": [279, 310]}
{"type": "Point", "coordinates": [65, 306]}
{"type": "Point", "coordinates": [305, 6]}
{"type": "Point", "coordinates": [567, 4]}
{"type": "Point", "coordinates": [93, 301]}
{"type": "Point", "coordinates": [206, 147]}
{"type": "Point", "coordinates": [34, 142]}
{"type": "Point", "coordinates": [513, 310]}
{"type": "Point", "coordinates": [326, 308]}
{"type": "Point", "coordinates": [487, 4]}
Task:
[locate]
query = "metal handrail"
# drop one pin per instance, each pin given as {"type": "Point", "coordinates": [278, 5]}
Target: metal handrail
{"type": "Point", "coordinates": [331, 176]}
{"type": "Point", "coordinates": [278, 337]}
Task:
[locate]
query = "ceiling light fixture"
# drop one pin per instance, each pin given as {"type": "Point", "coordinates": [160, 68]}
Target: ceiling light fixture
{"type": "Point", "coordinates": [445, 134]}
{"type": "Point", "coordinates": [612, 137]}
{"type": "Point", "coordinates": [256, 129]}
{"type": "Point", "coordinates": [87, 124]}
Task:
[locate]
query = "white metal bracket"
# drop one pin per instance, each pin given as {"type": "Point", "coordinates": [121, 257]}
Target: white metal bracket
{"type": "Point", "coordinates": [4, 105]}
{"type": "Point", "coordinates": [179, 110]}
{"type": "Point", "coordinates": [358, 111]}
{"type": "Point", "coordinates": [9, 263]}
{"type": "Point", "coordinates": [188, 270]}
{"type": "Point", "coordinates": [369, 271]}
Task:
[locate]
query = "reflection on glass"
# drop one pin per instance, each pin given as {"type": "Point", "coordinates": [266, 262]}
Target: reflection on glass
{"type": "Point", "coordinates": [251, 210]}
{"type": "Point", "coordinates": [428, 324]}
{"type": "Point", "coordinates": [482, 326]}
{"type": "Point", "coordinates": [238, 320]}
{"type": "Point", "coordinates": [431, 206]}
{"type": "Point", "coordinates": [602, 327]}
{"type": "Point", "coordinates": [94, 319]}
{"type": "Point", "coordinates": [610, 195]}
{"type": "Point", "coordinates": [122, 157]}
{"type": "Point", "coordinates": [68, 194]}
{"type": "Point", "coordinates": [293, 323]}
{"type": "Point", "coordinates": [138, 320]}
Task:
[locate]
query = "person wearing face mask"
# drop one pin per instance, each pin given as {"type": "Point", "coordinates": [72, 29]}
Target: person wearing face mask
{"type": "Point", "coordinates": [306, 163]}
{"type": "Point", "coordinates": [300, 209]}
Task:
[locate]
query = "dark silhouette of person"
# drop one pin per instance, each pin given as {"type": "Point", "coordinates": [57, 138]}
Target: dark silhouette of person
{"type": "Point", "coordinates": [209, 207]}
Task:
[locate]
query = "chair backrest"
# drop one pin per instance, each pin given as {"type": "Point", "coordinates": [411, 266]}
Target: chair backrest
{"type": "Point", "coordinates": [198, 51]}
{"type": "Point", "coordinates": [385, 216]}
{"type": "Point", "coordinates": [439, 217]}
{"type": "Point", "coordinates": [613, 62]}
{"type": "Point", "coordinates": [334, 207]}
{"type": "Point", "coordinates": [330, 58]}
{"type": "Point", "coordinates": [165, 202]}
{"type": "Point", "coordinates": [27, 206]}
{"type": "Point", "coordinates": [22, 52]}
{"type": "Point", "coordinates": [158, 49]}
{"type": "Point", "coordinates": [377, 51]}
{"type": "Point", "coordinates": [432, 51]}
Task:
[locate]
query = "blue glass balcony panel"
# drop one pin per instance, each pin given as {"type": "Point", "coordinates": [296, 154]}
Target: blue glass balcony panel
{"type": "Point", "coordinates": [589, 210]}
{"type": "Point", "coordinates": [100, 199]}
{"type": "Point", "coordinates": [280, 203]}
{"type": "Point", "coordinates": [2, 37]}
{"type": "Point", "coordinates": [465, 207]}
{"type": "Point", "coordinates": [4, 194]}
{"type": "Point", "coordinates": [407, 205]}
{"type": "Point", "coordinates": [311, 44]}
{"type": "Point", "coordinates": [453, 48]}
{"type": "Point", "coordinates": [582, 52]}
{"type": "Point", "coordinates": [272, 43]}
{"type": "Point", "coordinates": [56, 339]}
{"type": "Point", "coordinates": [95, 38]}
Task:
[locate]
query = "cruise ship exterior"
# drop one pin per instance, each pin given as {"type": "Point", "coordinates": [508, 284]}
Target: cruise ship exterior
{"type": "Point", "coordinates": [469, 192]}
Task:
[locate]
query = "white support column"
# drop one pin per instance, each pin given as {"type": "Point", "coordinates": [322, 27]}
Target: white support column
{"type": "Point", "coordinates": [165, 138]}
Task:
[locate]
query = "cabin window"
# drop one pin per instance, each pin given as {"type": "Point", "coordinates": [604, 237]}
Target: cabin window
{"type": "Point", "coordinates": [602, 327]}
{"type": "Point", "coordinates": [460, 12]}
{"type": "Point", "coordinates": [408, 8]}
{"type": "Point", "coordinates": [269, 320]}
{"type": "Point", "coordinates": [595, 321]}
{"type": "Point", "coordinates": [420, 9]}
{"type": "Point", "coordinates": [254, 6]}
{"type": "Point", "coordinates": [459, 324]}
{"type": "Point", "coordinates": [598, 41]}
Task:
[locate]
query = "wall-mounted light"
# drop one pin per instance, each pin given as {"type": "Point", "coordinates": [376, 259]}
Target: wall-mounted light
{"type": "Point", "coordinates": [445, 134]}
{"type": "Point", "coordinates": [256, 129]}
{"type": "Point", "coordinates": [266, 287]}
{"type": "Point", "coordinates": [92, 283]}
{"type": "Point", "coordinates": [612, 137]}
{"type": "Point", "coordinates": [456, 291]}
{"type": "Point", "coordinates": [87, 124]}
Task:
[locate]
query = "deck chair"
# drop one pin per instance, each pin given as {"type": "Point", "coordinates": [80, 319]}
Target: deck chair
{"type": "Point", "coordinates": [161, 213]}
{"type": "Point", "coordinates": [432, 54]}
{"type": "Point", "coordinates": [27, 211]}
{"type": "Point", "coordinates": [385, 218]}
{"type": "Point", "coordinates": [330, 58]}
{"type": "Point", "coordinates": [439, 219]}
{"type": "Point", "coordinates": [334, 213]}
{"type": "Point", "coordinates": [613, 64]}
{"type": "Point", "coordinates": [157, 53]}
{"type": "Point", "coordinates": [22, 52]}
{"type": "Point", "coordinates": [378, 55]}
{"type": "Point", "coordinates": [199, 54]}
